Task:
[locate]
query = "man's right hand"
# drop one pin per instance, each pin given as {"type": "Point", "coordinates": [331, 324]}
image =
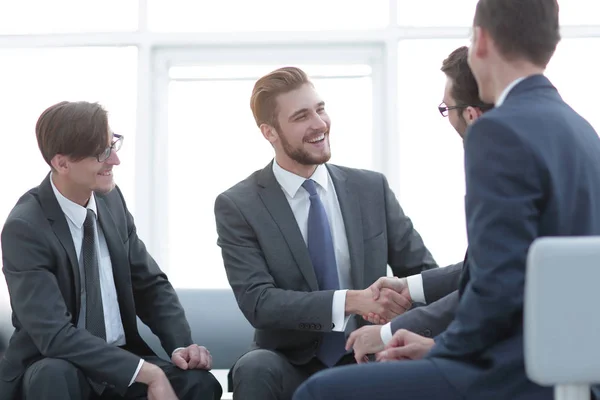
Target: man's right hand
{"type": "Point", "coordinates": [388, 305]}
{"type": "Point", "coordinates": [398, 285]}
{"type": "Point", "coordinates": [159, 387]}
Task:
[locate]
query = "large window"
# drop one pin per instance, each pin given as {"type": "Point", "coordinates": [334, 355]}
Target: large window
{"type": "Point", "coordinates": [266, 15]}
{"type": "Point", "coordinates": [67, 16]}
{"type": "Point", "coordinates": [176, 78]}
{"type": "Point", "coordinates": [577, 81]}
{"type": "Point", "coordinates": [213, 143]}
{"type": "Point", "coordinates": [431, 184]}
{"type": "Point", "coordinates": [33, 80]}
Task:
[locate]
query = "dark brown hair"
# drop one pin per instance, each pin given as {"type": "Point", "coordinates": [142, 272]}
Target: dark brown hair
{"type": "Point", "coordinates": [75, 129]}
{"type": "Point", "coordinates": [527, 29]}
{"type": "Point", "coordinates": [263, 101]}
{"type": "Point", "coordinates": [464, 86]}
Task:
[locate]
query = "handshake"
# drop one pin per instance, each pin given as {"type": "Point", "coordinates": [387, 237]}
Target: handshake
{"type": "Point", "coordinates": [380, 303]}
{"type": "Point", "coordinates": [385, 299]}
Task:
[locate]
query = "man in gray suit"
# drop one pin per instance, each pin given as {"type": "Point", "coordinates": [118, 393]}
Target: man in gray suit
{"type": "Point", "coordinates": [78, 275]}
{"type": "Point", "coordinates": [438, 288]}
{"type": "Point", "coordinates": [302, 241]}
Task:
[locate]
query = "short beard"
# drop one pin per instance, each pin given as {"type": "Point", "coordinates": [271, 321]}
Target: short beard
{"type": "Point", "coordinates": [301, 156]}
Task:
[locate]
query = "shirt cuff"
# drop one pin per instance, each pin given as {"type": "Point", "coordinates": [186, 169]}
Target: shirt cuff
{"type": "Point", "coordinates": [386, 333]}
{"type": "Point", "coordinates": [415, 287]}
{"type": "Point", "coordinates": [338, 314]}
{"type": "Point", "coordinates": [179, 348]}
{"type": "Point", "coordinates": [137, 371]}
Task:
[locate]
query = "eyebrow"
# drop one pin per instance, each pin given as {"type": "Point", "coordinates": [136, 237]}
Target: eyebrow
{"type": "Point", "coordinates": [303, 110]}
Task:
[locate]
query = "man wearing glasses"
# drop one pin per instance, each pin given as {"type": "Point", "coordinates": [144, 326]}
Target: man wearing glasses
{"type": "Point", "coordinates": [78, 275]}
{"type": "Point", "coordinates": [438, 288]}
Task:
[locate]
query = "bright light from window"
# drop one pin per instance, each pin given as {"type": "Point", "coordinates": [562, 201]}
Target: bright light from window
{"type": "Point", "coordinates": [266, 15]}
{"type": "Point", "coordinates": [214, 143]}
{"type": "Point", "coordinates": [574, 72]}
{"type": "Point", "coordinates": [432, 183]}
{"type": "Point", "coordinates": [24, 17]}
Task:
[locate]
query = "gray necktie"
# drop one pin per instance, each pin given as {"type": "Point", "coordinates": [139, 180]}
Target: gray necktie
{"type": "Point", "coordinates": [94, 313]}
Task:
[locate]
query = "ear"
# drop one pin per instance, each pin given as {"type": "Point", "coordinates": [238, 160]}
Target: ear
{"type": "Point", "coordinates": [480, 43]}
{"type": "Point", "coordinates": [470, 114]}
{"type": "Point", "coordinates": [269, 132]}
{"type": "Point", "coordinates": [60, 163]}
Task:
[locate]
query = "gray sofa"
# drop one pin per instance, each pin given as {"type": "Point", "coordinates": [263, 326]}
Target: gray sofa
{"type": "Point", "coordinates": [214, 317]}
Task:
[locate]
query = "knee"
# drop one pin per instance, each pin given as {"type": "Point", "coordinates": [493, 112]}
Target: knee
{"type": "Point", "coordinates": [257, 365]}
{"type": "Point", "coordinates": [204, 385]}
{"type": "Point", "coordinates": [51, 371]}
{"type": "Point", "coordinates": [308, 390]}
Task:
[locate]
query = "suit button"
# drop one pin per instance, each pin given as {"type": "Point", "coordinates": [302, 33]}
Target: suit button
{"type": "Point", "coordinates": [313, 326]}
{"type": "Point", "coordinates": [301, 326]}
{"type": "Point", "coordinates": [318, 327]}
{"type": "Point", "coordinates": [427, 333]}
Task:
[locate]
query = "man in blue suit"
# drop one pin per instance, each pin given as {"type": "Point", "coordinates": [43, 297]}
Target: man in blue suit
{"type": "Point", "coordinates": [532, 169]}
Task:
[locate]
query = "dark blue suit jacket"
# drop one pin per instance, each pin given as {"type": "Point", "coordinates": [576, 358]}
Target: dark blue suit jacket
{"type": "Point", "coordinates": [532, 169]}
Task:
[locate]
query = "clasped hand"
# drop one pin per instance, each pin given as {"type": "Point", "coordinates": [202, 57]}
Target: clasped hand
{"type": "Point", "coordinates": [192, 357]}
{"type": "Point", "coordinates": [393, 297]}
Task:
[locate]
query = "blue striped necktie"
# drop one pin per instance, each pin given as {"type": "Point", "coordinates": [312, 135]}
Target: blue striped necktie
{"type": "Point", "coordinates": [322, 255]}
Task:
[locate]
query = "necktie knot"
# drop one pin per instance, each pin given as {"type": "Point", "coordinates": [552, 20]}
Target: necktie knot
{"type": "Point", "coordinates": [89, 218]}
{"type": "Point", "coordinates": [310, 187]}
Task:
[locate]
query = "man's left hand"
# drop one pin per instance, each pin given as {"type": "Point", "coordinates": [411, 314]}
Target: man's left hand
{"type": "Point", "coordinates": [406, 345]}
{"type": "Point", "coordinates": [192, 357]}
{"type": "Point", "coordinates": [365, 341]}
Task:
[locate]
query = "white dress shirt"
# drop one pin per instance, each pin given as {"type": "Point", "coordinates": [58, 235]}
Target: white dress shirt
{"type": "Point", "coordinates": [507, 90]}
{"type": "Point", "coordinates": [299, 201]}
{"type": "Point", "coordinates": [415, 282]}
{"type": "Point", "coordinates": [75, 215]}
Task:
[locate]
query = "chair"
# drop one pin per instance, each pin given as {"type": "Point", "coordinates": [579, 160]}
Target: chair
{"type": "Point", "coordinates": [216, 322]}
{"type": "Point", "coordinates": [214, 317]}
{"type": "Point", "coordinates": [561, 322]}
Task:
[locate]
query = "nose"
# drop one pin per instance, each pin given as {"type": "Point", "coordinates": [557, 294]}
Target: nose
{"type": "Point", "coordinates": [113, 159]}
{"type": "Point", "coordinates": [319, 123]}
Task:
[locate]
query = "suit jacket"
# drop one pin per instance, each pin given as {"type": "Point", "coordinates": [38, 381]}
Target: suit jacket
{"type": "Point", "coordinates": [268, 264]}
{"type": "Point", "coordinates": [440, 286]}
{"type": "Point", "coordinates": [42, 273]}
{"type": "Point", "coordinates": [532, 170]}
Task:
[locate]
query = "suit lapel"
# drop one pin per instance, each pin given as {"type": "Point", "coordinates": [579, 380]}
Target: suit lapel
{"type": "Point", "coordinates": [347, 194]}
{"type": "Point", "coordinates": [465, 275]}
{"type": "Point", "coordinates": [274, 200]}
{"type": "Point", "coordinates": [59, 225]}
{"type": "Point", "coordinates": [118, 255]}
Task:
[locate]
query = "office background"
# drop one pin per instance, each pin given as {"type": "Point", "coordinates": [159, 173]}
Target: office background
{"type": "Point", "coordinates": [176, 78]}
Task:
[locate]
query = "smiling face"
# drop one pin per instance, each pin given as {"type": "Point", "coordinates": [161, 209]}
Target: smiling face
{"type": "Point", "coordinates": [77, 142]}
{"type": "Point", "coordinates": [301, 137]}
{"type": "Point", "coordinates": [78, 178]}
{"type": "Point", "coordinates": [91, 175]}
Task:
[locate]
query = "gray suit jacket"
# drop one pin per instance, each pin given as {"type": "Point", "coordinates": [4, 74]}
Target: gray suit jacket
{"type": "Point", "coordinates": [42, 273]}
{"type": "Point", "coordinates": [440, 286]}
{"type": "Point", "coordinates": [269, 268]}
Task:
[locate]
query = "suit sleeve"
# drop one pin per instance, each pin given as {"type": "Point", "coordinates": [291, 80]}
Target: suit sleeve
{"type": "Point", "coordinates": [429, 320]}
{"type": "Point", "coordinates": [504, 193]}
{"type": "Point", "coordinates": [407, 254]}
{"type": "Point", "coordinates": [265, 305]}
{"type": "Point", "coordinates": [156, 301]}
{"type": "Point", "coordinates": [39, 306]}
{"type": "Point", "coordinates": [440, 282]}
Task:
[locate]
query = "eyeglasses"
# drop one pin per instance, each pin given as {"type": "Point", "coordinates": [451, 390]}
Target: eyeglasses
{"type": "Point", "coordinates": [115, 145]}
{"type": "Point", "coordinates": [443, 108]}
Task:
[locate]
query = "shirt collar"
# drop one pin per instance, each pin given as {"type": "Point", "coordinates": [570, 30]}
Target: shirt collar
{"type": "Point", "coordinates": [507, 90]}
{"type": "Point", "coordinates": [291, 182]}
{"type": "Point", "coordinates": [72, 210]}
